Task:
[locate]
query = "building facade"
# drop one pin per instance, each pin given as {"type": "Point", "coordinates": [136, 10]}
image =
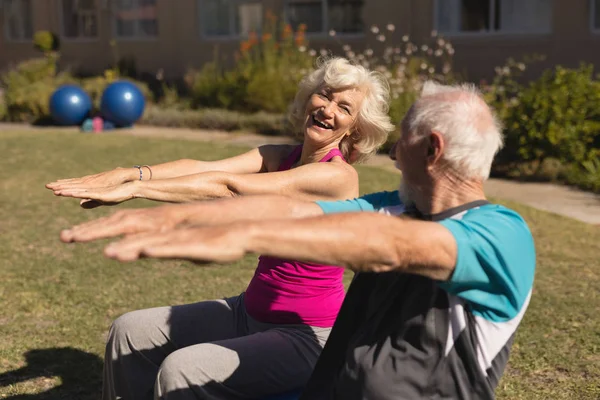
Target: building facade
{"type": "Point", "coordinates": [173, 35]}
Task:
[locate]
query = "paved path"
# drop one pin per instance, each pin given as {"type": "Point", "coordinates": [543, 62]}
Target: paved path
{"type": "Point", "coordinates": [554, 198]}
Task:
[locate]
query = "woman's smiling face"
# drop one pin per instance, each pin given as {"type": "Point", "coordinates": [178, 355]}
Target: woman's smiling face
{"type": "Point", "coordinates": [331, 114]}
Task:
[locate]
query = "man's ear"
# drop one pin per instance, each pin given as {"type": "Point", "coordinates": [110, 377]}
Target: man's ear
{"type": "Point", "coordinates": [435, 149]}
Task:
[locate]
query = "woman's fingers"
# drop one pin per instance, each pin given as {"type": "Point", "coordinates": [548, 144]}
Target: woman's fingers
{"type": "Point", "coordinates": [77, 193]}
{"type": "Point", "coordinates": [65, 182]}
{"type": "Point", "coordinates": [75, 185]}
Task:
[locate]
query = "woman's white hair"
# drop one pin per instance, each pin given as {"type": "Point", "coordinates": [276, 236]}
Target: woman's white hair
{"type": "Point", "coordinates": [471, 131]}
{"type": "Point", "coordinates": [372, 124]}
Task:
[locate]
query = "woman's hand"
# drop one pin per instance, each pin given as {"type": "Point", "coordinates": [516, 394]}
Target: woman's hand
{"type": "Point", "coordinates": [103, 179]}
{"type": "Point", "coordinates": [100, 196]}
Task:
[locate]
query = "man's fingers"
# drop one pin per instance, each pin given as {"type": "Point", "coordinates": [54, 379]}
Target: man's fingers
{"type": "Point", "coordinates": [101, 228]}
{"type": "Point", "coordinates": [129, 248]}
{"type": "Point", "coordinates": [172, 251]}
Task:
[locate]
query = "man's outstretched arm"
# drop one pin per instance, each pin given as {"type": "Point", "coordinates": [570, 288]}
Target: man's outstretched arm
{"type": "Point", "coordinates": [359, 241]}
{"type": "Point", "coordinates": [163, 218]}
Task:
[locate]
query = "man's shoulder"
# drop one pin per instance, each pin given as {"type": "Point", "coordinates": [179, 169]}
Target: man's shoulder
{"type": "Point", "coordinates": [491, 213]}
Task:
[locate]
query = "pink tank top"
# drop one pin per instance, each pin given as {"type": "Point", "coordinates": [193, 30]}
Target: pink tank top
{"type": "Point", "coordinates": [293, 292]}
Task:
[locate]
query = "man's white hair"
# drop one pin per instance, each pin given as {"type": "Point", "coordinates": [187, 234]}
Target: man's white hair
{"type": "Point", "coordinates": [472, 133]}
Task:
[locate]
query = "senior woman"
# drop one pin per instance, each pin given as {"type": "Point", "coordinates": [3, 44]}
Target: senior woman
{"type": "Point", "coordinates": [267, 339]}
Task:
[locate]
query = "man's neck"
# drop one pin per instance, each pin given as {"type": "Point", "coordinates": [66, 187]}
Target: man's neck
{"type": "Point", "coordinates": [449, 193]}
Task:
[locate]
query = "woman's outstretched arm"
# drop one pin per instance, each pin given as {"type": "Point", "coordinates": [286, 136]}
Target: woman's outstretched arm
{"type": "Point", "coordinates": [318, 181]}
{"type": "Point", "coordinates": [253, 161]}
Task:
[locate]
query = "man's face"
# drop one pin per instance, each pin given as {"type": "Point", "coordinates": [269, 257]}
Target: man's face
{"type": "Point", "coordinates": [411, 159]}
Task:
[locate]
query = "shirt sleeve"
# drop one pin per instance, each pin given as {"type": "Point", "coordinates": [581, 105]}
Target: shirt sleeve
{"type": "Point", "coordinates": [369, 203]}
{"type": "Point", "coordinates": [495, 264]}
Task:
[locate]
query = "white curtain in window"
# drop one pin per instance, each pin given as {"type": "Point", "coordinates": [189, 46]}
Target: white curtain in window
{"type": "Point", "coordinates": [525, 15]}
{"type": "Point", "coordinates": [249, 18]}
{"type": "Point", "coordinates": [448, 15]}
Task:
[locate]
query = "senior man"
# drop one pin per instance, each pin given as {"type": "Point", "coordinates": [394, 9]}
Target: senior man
{"type": "Point", "coordinates": [444, 277]}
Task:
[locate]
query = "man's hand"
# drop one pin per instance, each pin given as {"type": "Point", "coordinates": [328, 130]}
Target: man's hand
{"type": "Point", "coordinates": [124, 222]}
{"type": "Point", "coordinates": [202, 245]}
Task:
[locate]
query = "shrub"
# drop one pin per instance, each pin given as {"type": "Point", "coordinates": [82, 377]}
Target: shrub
{"type": "Point", "coordinates": [28, 88]}
{"type": "Point", "coordinates": [586, 175]}
{"type": "Point", "coordinates": [265, 77]}
{"type": "Point", "coordinates": [3, 110]}
{"type": "Point", "coordinates": [46, 41]}
{"type": "Point", "coordinates": [555, 116]}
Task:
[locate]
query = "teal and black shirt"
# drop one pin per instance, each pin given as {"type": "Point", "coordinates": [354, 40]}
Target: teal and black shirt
{"type": "Point", "coordinates": [403, 336]}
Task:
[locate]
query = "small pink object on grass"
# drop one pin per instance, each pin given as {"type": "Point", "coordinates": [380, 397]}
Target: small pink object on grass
{"type": "Point", "coordinates": [97, 125]}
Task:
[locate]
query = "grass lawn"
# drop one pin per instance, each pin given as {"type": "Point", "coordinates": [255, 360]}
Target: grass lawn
{"type": "Point", "coordinates": [57, 301]}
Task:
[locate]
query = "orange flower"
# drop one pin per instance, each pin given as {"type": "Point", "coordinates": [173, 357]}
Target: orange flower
{"type": "Point", "coordinates": [252, 38]}
{"type": "Point", "coordinates": [299, 39]}
{"type": "Point", "coordinates": [245, 46]}
{"type": "Point", "coordinates": [266, 37]}
{"type": "Point", "coordinates": [302, 28]}
{"type": "Point", "coordinates": [270, 16]}
{"type": "Point", "coordinates": [287, 31]}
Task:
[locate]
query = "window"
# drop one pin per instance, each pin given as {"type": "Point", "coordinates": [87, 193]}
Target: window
{"type": "Point", "coordinates": [18, 20]}
{"type": "Point", "coordinates": [320, 16]}
{"type": "Point", "coordinates": [135, 18]}
{"type": "Point", "coordinates": [500, 16]}
{"type": "Point", "coordinates": [79, 19]}
{"type": "Point", "coordinates": [228, 18]}
{"type": "Point", "coordinates": [595, 14]}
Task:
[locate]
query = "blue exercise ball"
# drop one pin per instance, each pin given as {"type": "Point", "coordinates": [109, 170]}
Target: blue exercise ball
{"type": "Point", "coordinates": [70, 105]}
{"type": "Point", "coordinates": [122, 103]}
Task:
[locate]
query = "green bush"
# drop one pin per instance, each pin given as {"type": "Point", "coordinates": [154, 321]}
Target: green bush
{"type": "Point", "coordinates": [46, 41]}
{"type": "Point", "coordinates": [555, 116]}
{"type": "Point", "coordinates": [586, 175]}
{"type": "Point", "coordinates": [28, 87]}
{"type": "Point", "coordinates": [265, 77]}
{"type": "Point", "coordinates": [3, 110]}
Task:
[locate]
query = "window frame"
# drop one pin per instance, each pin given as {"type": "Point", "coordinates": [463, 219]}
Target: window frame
{"type": "Point", "coordinates": [7, 36]}
{"type": "Point", "coordinates": [325, 24]}
{"type": "Point", "coordinates": [230, 36]}
{"type": "Point", "coordinates": [136, 37]}
{"type": "Point", "coordinates": [593, 29]}
{"type": "Point", "coordinates": [490, 33]}
{"type": "Point", "coordinates": [79, 38]}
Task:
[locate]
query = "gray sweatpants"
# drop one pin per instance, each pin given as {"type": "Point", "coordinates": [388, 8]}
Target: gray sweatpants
{"type": "Point", "coordinates": [207, 350]}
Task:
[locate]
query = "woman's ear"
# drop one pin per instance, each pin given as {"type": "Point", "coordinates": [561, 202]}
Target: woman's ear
{"type": "Point", "coordinates": [354, 154]}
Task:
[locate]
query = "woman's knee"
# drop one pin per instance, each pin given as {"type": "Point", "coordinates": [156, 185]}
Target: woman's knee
{"type": "Point", "coordinates": [134, 328]}
{"type": "Point", "coordinates": [203, 364]}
